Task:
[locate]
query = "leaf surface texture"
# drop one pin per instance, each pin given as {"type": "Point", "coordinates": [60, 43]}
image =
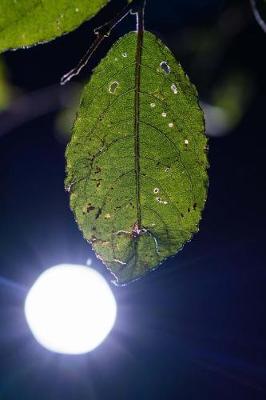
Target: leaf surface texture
{"type": "Point", "coordinates": [136, 164]}
{"type": "Point", "coordinates": [27, 22]}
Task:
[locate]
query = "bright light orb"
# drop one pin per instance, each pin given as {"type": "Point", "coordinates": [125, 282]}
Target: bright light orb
{"type": "Point", "coordinates": [70, 309]}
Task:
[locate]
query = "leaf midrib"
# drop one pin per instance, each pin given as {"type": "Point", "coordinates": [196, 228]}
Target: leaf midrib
{"type": "Point", "coordinates": [138, 57]}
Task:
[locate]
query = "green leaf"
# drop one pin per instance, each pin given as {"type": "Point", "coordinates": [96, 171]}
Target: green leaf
{"type": "Point", "coordinates": [137, 163]}
{"type": "Point", "coordinates": [24, 23]}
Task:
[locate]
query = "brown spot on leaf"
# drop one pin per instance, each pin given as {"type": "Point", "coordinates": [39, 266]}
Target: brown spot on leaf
{"type": "Point", "coordinates": [98, 213]}
{"type": "Point", "coordinates": [90, 208]}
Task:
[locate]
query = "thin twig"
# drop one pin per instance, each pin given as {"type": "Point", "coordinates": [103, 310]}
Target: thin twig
{"type": "Point", "coordinates": [257, 15]}
{"type": "Point", "coordinates": [101, 33]}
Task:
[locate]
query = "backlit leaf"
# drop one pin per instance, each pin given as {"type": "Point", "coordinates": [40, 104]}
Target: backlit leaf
{"type": "Point", "coordinates": [27, 22]}
{"type": "Point", "coordinates": [136, 164]}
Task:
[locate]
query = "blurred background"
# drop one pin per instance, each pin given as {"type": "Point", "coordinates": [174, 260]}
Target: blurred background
{"type": "Point", "coordinates": [195, 328]}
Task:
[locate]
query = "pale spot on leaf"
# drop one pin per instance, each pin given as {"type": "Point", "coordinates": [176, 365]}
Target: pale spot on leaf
{"type": "Point", "coordinates": [174, 88]}
{"type": "Point", "coordinates": [159, 200]}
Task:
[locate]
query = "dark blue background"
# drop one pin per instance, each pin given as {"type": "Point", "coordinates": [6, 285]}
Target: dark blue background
{"type": "Point", "coordinates": [195, 329]}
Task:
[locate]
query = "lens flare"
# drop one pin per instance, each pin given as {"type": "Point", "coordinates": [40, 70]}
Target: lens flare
{"type": "Point", "coordinates": [70, 309]}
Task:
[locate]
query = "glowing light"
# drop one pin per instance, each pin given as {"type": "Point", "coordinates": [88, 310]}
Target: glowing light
{"type": "Point", "coordinates": [70, 309]}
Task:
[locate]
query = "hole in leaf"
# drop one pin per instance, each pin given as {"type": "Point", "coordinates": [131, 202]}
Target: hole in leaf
{"type": "Point", "coordinates": [165, 67]}
{"type": "Point", "coordinates": [113, 86]}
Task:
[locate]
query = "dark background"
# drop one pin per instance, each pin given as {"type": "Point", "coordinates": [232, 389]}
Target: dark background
{"type": "Point", "coordinates": [194, 329]}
